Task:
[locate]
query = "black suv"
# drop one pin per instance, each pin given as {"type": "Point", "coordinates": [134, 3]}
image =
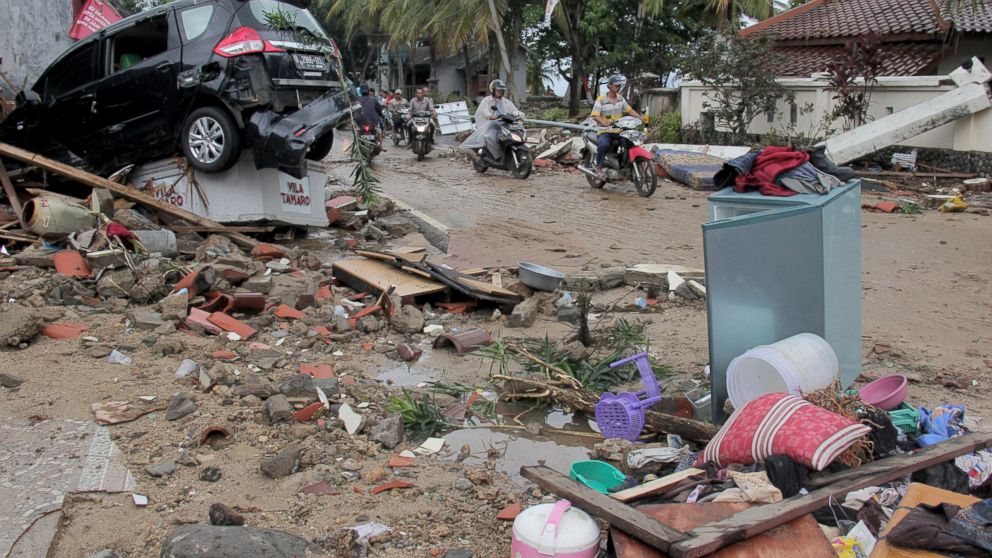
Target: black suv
{"type": "Point", "coordinates": [204, 77]}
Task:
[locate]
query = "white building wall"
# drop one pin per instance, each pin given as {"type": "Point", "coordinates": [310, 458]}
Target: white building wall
{"type": "Point", "coordinates": [893, 94]}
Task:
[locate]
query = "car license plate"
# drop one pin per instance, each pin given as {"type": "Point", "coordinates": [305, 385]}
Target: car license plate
{"type": "Point", "coordinates": [310, 62]}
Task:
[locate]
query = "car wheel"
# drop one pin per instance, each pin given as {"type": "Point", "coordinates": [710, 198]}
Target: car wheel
{"type": "Point", "coordinates": [210, 140]}
{"type": "Point", "coordinates": [321, 148]}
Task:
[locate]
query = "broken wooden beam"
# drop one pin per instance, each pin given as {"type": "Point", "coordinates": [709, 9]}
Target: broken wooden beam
{"type": "Point", "coordinates": [658, 485]}
{"type": "Point", "coordinates": [618, 514]}
{"type": "Point", "coordinates": [15, 202]}
{"type": "Point", "coordinates": [95, 181]}
{"type": "Point", "coordinates": [718, 534]}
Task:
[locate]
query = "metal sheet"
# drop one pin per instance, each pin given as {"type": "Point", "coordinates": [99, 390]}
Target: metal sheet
{"type": "Point", "coordinates": [453, 117]}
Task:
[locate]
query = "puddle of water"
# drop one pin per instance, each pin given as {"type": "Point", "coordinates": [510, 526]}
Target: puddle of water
{"type": "Point", "coordinates": [520, 448]}
{"type": "Point", "coordinates": [408, 376]}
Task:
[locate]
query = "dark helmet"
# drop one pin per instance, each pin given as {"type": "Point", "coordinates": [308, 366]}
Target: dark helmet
{"type": "Point", "coordinates": [617, 79]}
{"type": "Point", "coordinates": [364, 89]}
{"type": "Point", "coordinates": [496, 84]}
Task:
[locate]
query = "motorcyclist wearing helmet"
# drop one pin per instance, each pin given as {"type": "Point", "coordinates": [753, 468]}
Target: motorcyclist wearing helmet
{"type": "Point", "coordinates": [490, 109]}
{"type": "Point", "coordinates": [372, 113]}
{"type": "Point", "coordinates": [608, 109]}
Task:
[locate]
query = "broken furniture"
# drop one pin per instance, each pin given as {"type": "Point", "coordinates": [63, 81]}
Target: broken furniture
{"type": "Point", "coordinates": [241, 194]}
{"type": "Point", "coordinates": [779, 266]}
{"type": "Point", "coordinates": [705, 539]}
{"type": "Point", "coordinates": [622, 415]}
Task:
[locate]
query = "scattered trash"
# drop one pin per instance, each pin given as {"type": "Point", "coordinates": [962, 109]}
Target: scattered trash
{"type": "Point", "coordinates": [119, 412]}
{"type": "Point", "coordinates": [622, 415]}
{"type": "Point", "coordinates": [367, 531]}
{"type": "Point", "coordinates": [117, 357]}
{"type": "Point", "coordinates": [539, 277]}
{"type": "Point", "coordinates": [597, 475]}
{"type": "Point", "coordinates": [215, 436]}
{"type": "Point", "coordinates": [186, 368]}
{"type": "Point", "coordinates": [464, 342]}
{"type": "Point", "coordinates": [139, 500]}
{"type": "Point", "coordinates": [953, 205]}
{"type": "Point", "coordinates": [352, 421]}
{"type": "Point", "coordinates": [430, 446]}
{"type": "Point", "coordinates": [320, 489]}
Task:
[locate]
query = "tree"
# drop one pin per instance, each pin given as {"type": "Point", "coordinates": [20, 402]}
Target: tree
{"type": "Point", "coordinates": [853, 76]}
{"type": "Point", "coordinates": [739, 73]}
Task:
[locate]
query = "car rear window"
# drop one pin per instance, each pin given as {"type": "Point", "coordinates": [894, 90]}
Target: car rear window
{"type": "Point", "coordinates": [264, 11]}
{"type": "Point", "coordinates": [195, 21]}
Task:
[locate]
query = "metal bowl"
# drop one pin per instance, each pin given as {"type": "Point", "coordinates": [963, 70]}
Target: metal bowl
{"type": "Point", "coordinates": [539, 277]}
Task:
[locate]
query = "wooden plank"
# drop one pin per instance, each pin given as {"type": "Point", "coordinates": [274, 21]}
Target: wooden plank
{"type": "Point", "coordinates": [221, 229]}
{"type": "Point", "coordinates": [472, 271]}
{"type": "Point", "coordinates": [917, 494]}
{"type": "Point", "coordinates": [657, 485]}
{"type": "Point", "coordinates": [713, 536]}
{"type": "Point", "coordinates": [20, 238]}
{"type": "Point", "coordinates": [15, 202]}
{"type": "Point", "coordinates": [800, 537]}
{"type": "Point", "coordinates": [487, 288]}
{"type": "Point", "coordinates": [381, 276]}
{"type": "Point", "coordinates": [645, 528]}
{"type": "Point", "coordinates": [95, 181]}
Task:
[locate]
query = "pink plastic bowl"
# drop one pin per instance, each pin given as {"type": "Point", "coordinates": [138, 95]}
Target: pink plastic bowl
{"type": "Point", "coordinates": [887, 392]}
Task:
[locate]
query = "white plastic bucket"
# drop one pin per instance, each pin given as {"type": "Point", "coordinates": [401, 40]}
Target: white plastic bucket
{"type": "Point", "coordinates": [799, 364]}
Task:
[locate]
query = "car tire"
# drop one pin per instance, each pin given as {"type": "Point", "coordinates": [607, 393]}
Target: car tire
{"type": "Point", "coordinates": [321, 148]}
{"type": "Point", "coordinates": [210, 140]}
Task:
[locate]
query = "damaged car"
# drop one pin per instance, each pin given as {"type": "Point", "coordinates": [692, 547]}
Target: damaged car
{"type": "Point", "coordinates": [204, 78]}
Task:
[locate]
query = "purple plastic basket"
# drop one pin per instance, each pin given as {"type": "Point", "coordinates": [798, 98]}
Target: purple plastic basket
{"type": "Point", "coordinates": [622, 415]}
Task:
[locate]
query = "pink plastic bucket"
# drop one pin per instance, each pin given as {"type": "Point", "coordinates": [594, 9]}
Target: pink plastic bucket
{"type": "Point", "coordinates": [556, 530]}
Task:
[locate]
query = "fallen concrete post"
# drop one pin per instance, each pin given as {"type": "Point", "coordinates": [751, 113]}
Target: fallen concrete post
{"type": "Point", "coordinates": [964, 101]}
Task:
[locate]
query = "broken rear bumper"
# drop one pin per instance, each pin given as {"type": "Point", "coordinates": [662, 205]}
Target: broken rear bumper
{"type": "Point", "coordinates": [280, 141]}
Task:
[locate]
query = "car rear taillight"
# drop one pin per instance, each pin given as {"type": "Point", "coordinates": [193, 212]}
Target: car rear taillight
{"type": "Point", "coordinates": [244, 40]}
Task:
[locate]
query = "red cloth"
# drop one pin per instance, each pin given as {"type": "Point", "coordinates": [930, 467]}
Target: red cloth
{"type": "Point", "coordinates": [771, 162]}
{"type": "Point", "coordinates": [120, 231]}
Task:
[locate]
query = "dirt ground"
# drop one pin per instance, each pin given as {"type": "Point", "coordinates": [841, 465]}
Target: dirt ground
{"type": "Point", "coordinates": [927, 299]}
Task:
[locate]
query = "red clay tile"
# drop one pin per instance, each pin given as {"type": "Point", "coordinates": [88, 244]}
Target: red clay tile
{"type": "Point", "coordinates": [322, 331]}
{"type": "Point", "coordinates": [307, 413]}
{"type": "Point", "coordinates": [305, 301]}
{"type": "Point", "coordinates": [320, 489]}
{"type": "Point", "coordinates": [399, 461]}
{"type": "Point", "coordinates": [365, 312]}
{"type": "Point", "coordinates": [319, 371]}
{"type": "Point", "coordinates": [323, 293]}
{"type": "Point", "coordinates": [510, 512]}
{"type": "Point", "coordinates": [200, 318]}
{"type": "Point", "coordinates": [347, 381]}
{"type": "Point", "coordinates": [253, 303]}
{"type": "Point", "coordinates": [268, 251]}
{"type": "Point", "coordinates": [63, 330]}
{"type": "Point", "coordinates": [288, 313]}
{"type": "Point", "coordinates": [224, 355]}
{"type": "Point", "coordinates": [456, 307]}
{"type": "Point", "coordinates": [227, 323]}
{"type": "Point", "coordinates": [408, 353]}
{"type": "Point", "coordinates": [368, 345]}
{"type": "Point", "coordinates": [886, 207]}
{"type": "Point", "coordinates": [358, 490]}
{"type": "Point", "coordinates": [391, 485]}
{"type": "Point", "coordinates": [71, 263]}
{"type": "Point", "coordinates": [187, 282]}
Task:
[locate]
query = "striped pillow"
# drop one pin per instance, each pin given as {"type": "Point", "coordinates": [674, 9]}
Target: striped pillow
{"type": "Point", "coordinates": [779, 423]}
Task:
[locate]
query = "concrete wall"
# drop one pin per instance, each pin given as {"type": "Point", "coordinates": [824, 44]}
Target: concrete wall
{"type": "Point", "coordinates": [659, 100]}
{"type": "Point", "coordinates": [32, 34]}
{"type": "Point", "coordinates": [892, 94]}
{"type": "Point", "coordinates": [451, 79]}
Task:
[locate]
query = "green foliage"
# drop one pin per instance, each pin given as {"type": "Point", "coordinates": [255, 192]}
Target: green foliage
{"type": "Point", "coordinates": [739, 74]}
{"type": "Point", "coordinates": [555, 114]}
{"type": "Point", "coordinates": [799, 137]}
{"type": "Point", "coordinates": [453, 389]}
{"type": "Point", "coordinates": [910, 209]}
{"type": "Point", "coordinates": [421, 415]}
{"type": "Point", "coordinates": [667, 127]}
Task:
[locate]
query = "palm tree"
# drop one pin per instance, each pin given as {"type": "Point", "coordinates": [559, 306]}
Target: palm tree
{"type": "Point", "coordinates": [720, 11]}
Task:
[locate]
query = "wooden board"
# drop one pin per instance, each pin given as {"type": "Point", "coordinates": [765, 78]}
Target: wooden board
{"type": "Point", "coordinates": [625, 517]}
{"type": "Point", "coordinates": [15, 202]}
{"type": "Point", "coordinates": [799, 537]}
{"type": "Point", "coordinates": [380, 276]}
{"type": "Point", "coordinates": [713, 536]}
{"type": "Point", "coordinates": [487, 288]}
{"type": "Point", "coordinates": [95, 181]}
{"type": "Point", "coordinates": [658, 485]}
{"type": "Point", "coordinates": [917, 494]}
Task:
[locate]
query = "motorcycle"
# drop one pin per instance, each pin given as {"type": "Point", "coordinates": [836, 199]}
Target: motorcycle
{"type": "Point", "coordinates": [421, 130]}
{"type": "Point", "coordinates": [369, 134]}
{"type": "Point", "coordinates": [517, 157]}
{"type": "Point", "coordinates": [399, 132]}
{"type": "Point", "coordinates": [627, 160]}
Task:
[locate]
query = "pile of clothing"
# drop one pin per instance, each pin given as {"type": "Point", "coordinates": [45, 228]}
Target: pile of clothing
{"type": "Point", "coordinates": [783, 171]}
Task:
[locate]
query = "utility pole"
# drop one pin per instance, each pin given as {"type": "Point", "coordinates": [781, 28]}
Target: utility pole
{"type": "Point", "coordinates": [502, 47]}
